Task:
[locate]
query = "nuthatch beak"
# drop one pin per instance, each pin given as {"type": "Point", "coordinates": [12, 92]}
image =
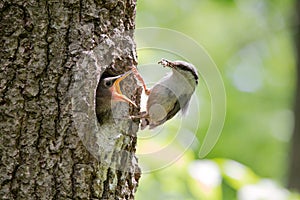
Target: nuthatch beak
{"type": "Point", "coordinates": [169, 95]}
{"type": "Point", "coordinates": [109, 91]}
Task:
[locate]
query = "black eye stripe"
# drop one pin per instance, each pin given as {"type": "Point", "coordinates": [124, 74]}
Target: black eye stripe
{"type": "Point", "coordinates": [189, 68]}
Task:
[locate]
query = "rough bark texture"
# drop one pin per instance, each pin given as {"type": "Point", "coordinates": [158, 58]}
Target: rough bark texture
{"type": "Point", "coordinates": [42, 43]}
{"type": "Point", "coordinates": [294, 171]}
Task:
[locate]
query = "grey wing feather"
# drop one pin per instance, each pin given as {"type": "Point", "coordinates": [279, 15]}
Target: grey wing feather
{"type": "Point", "coordinates": [167, 99]}
{"type": "Point", "coordinates": [181, 103]}
{"type": "Point", "coordinates": [170, 115]}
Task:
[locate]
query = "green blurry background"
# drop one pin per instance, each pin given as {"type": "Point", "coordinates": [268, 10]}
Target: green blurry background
{"type": "Point", "coordinates": [251, 42]}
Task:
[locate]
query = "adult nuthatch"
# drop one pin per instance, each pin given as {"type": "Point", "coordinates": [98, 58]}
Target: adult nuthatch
{"type": "Point", "coordinates": [109, 91]}
{"type": "Point", "coordinates": [171, 94]}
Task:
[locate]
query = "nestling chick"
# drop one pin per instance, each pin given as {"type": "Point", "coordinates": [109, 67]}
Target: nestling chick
{"type": "Point", "coordinates": [107, 92]}
{"type": "Point", "coordinates": [169, 95]}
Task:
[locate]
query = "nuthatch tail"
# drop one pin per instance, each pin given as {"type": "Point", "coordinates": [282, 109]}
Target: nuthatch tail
{"type": "Point", "coordinates": [171, 94]}
{"type": "Point", "coordinates": [107, 92]}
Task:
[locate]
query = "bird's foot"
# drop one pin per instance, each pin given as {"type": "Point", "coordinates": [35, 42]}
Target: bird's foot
{"type": "Point", "coordinates": [140, 79]}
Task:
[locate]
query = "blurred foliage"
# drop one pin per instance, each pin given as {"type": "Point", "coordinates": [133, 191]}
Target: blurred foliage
{"type": "Point", "coordinates": [251, 42]}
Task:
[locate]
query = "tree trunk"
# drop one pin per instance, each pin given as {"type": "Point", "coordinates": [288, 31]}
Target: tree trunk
{"type": "Point", "coordinates": [52, 56]}
{"type": "Point", "coordinates": [294, 171]}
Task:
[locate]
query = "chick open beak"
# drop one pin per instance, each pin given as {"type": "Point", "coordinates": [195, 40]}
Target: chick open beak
{"type": "Point", "coordinates": [116, 90]}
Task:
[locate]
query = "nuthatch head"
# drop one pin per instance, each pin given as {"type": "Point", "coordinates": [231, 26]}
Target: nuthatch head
{"type": "Point", "coordinates": [109, 91]}
{"type": "Point", "coordinates": [169, 95]}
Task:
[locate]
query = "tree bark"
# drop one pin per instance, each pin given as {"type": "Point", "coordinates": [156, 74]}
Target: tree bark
{"type": "Point", "coordinates": [294, 170]}
{"type": "Point", "coordinates": [44, 139]}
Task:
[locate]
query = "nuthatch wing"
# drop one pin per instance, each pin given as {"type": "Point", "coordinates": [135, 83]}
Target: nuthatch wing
{"type": "Point", "coordinates": [109, 91]}
{"type": "Point", "coordinates": [169, 95]}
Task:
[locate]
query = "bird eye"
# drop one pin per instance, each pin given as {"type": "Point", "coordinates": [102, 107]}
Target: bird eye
{"type": "Point", "coordinates": [108, 83]}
